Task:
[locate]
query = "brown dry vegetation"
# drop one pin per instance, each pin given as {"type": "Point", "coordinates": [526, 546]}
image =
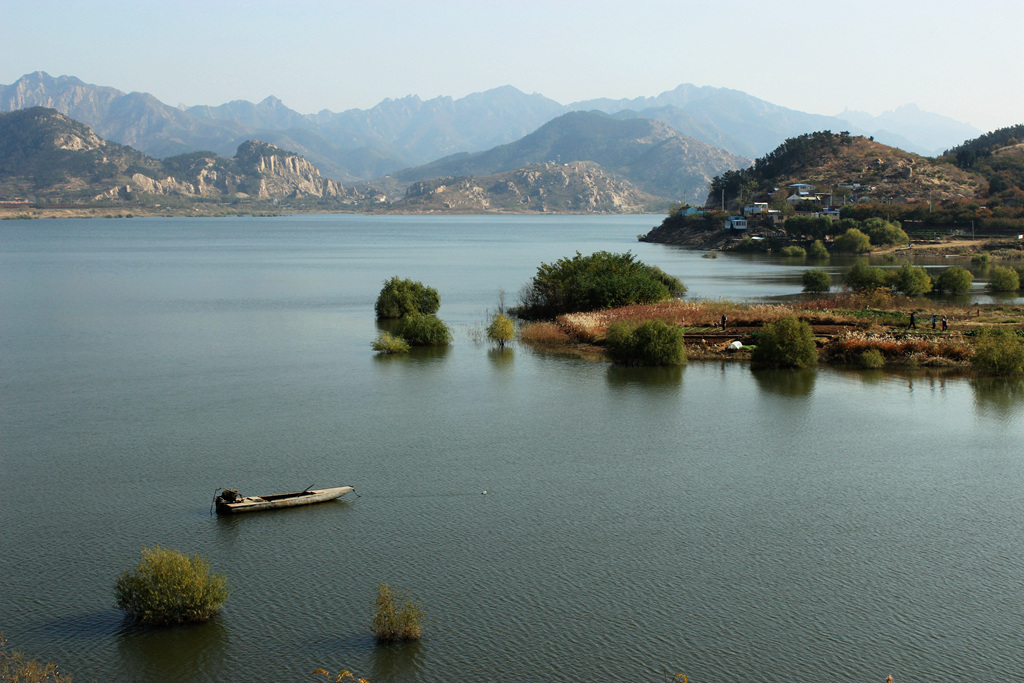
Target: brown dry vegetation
{"type": "Point", "coordinates": [844, 326]}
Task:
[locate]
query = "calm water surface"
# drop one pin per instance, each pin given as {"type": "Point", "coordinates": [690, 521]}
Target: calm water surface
{"type": "Point", "coordinates": [729, 524]}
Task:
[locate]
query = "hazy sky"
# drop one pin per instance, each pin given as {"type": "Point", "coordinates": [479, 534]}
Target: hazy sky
{"type": "Point", "coordinates": [961, 59]}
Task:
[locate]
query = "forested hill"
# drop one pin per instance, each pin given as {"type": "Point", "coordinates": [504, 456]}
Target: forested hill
{"type": "Point", "coordinates": [864, 169]}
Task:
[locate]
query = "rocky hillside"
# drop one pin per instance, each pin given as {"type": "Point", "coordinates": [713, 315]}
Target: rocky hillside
{"type": "Point", "coordinates": [576, 187]}
{"type": "Point", "coordinates": [868, 170]}
{"type": "Point", "coordinates": [648, 154]}
{"type": "Point", "coordinates": [45, 155]}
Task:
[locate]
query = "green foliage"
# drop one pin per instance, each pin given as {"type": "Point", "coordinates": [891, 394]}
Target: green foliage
{"type": "Point", "coordinates": [589, 283]}
{"type": "Point", "coordinates": [653, 342]}
{"type": "Point", "coordinates": [911, 280]}
{"type": "Point", "coordinates": [982, 258]}
{"type": "Point", "coordinates": [1003, 279]}
{"type": "Point", "coordinates": [872, 359]}
{"type": "Point", "coordinates": [794, 251]}
{"type": "Point", "coordinates": [999, 351]}
{"type": "Point", "coordinates": [864, 278]}
{"type": "Point", "coordinates": [785, 343]}
{"type": "Point", "coordinates": [817, 280]}
{"type": "Point", "coordinates": [397, 618]}
{"type": "Point", "coordinates": [501, 330]}
{"type": "Point", "coordinates": [400, 298]}
{"type": "Point", "coordinates": [955, 280]}
{"type": "Point", "coordinates": [423, 330]}
{"type": "Point", "coordinates": [169, 587]}
{"type": "Point", "coordinates": [388, 344]}
{"type": "Point", "coordinates": [815, 227]}
{"type": "Point", "coordinates": [853, 241]}
{"type": "Point", "coordinates": [817, 250]}
{"type": "Point", "coordinates": [884, 233]}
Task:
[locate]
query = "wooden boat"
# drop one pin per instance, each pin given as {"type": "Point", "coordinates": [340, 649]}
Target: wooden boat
{"type": "Point", "coordinates": [230, 502]}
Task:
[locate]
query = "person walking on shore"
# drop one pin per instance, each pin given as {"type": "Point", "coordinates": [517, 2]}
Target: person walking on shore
{"type": "Point", "coordinates": [944, 326]}
{"type": "Point", "coordinates": [913, 321]}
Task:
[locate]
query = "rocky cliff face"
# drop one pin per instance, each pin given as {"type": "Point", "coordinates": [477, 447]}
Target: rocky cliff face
{"type": "Point", "coordinates": [579, 186]}
{"type": "Point", "coordinates": [280, 174]}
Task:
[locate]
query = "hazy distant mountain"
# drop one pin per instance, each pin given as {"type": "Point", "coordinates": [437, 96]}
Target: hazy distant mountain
{"type": "Point", "coordinates": [399, 133]}
{"type": "Point", "coordinates": [649, 154]}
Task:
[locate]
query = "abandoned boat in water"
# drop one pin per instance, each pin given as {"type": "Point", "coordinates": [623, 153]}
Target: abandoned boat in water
{"type": "Point", "coordinates": [229, 501]}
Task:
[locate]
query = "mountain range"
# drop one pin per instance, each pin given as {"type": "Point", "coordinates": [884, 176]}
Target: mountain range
{"type": "Point", "coordinates": [396, 134]}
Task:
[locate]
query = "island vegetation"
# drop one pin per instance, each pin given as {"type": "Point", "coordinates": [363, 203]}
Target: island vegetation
{"type": "Point", "coordinates": [169, 587]}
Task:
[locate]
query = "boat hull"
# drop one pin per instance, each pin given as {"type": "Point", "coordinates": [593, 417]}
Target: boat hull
{"type": "Point", "coordinates": [281, 500]}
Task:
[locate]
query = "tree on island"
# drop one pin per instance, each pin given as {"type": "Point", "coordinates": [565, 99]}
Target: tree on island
{"type": "Point", "coordinates": [590, 283]}
{"type": "Point", "coordinates": [399, 298]}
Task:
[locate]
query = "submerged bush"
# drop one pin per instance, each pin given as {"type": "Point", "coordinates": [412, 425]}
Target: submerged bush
{"type": "Point", "coordinates": [397, 617]}
{"type": "Point", "coordinates": [423, 330]}
{"type": "Point", "coordinates": [817, 280]}
{"type": "Point", "coordinates": [387, 344]}
{"type": "Point", "coordinates": [590, 283]}
{"type": "Point", "coordinates": [399, 298]}
{"type": "Point", "coordinates": [653, 342]}
{"type": "Point", "coordinates": [911, 280]}
{"type": "Point", "coordinates": [1003, 279]}
{"type": "Point", "coordinates": [955, 280]}
{"type": "Point", "coordinates": [169, 587]}
{"type": "Point", "coordinates": [501, 330]}
{"type": "Point", "coordinates": [794, 251]}
{"type": "Point", "coordinates": [863, 278]}
{"type": "Point", "coordinates": [817, 250]}
{"type": "Point", "coordinates": [999, 351]}
{"type": "Point", "coordinates": [785, 343]}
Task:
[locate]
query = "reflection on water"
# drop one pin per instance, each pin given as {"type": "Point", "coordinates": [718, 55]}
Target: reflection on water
{"type": "Point", "coordinates": [174, 653]}
{"type": "Point", "coordinates": [396, 661]}
{"type": "Point", "coordinates": [793, 382]}
{"type": "Point", "coordinates": [620, 376]}
{"type": "Point", "coordinates": [1000, 397]}
{"type": "Point", "coordinates": [502, 359]}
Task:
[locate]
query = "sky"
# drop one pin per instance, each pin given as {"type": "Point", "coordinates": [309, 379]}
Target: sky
{"type": "Point", "coordinates": [959, 59]}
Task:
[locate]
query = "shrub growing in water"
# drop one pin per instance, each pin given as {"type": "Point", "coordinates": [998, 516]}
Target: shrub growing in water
{"type": "Point", "coordinates": [817, 250]}
{"type": "Point", "coordinates": [653, 342]}
{"type": "Point", "coordinates": [785, 343]}
{"type": "Point", "coordinates": [397, 617]}
{"type": "Point", "coordinates": [912, 280]}
{"type": "Point", "coordinates": [795, 251]}
{"type": "Point", "coordinates": [1003, 279]}
{"type": "Point", "coordinates": [955, 280]}
{"type": "Point", "coordinates": [501, 330]}
{"type": "Point", "coordinates": [863, 278]}
{"type": "Point", "coordinates": [387, 344]}
{"type": "Point", "coordinates": [169, 587]}
{"type": "Point", "coordinates": [999, 351]}
{"type": "Point", "coordinates": [817, 280]}
{"type": "Point", "coordinates": [423, 330]}
{"type": "Point", "coordinates": [853, 241]}
{"type": "Point", "coordinates": [399, 298]}
{"type": "Point", "coordinates": [591, 283]}
{"type": "Point", "coordinates": [872, 358]}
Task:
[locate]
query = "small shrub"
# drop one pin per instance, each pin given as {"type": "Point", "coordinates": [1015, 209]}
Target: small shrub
{"type": "Point", "coordinates": [817, 280]}
{"type": "Point", "coordinates": [872, 358]}
{"type": "Point", "coordinates": [911, 280]}
{"type": "Point", "coordinates": [423, 330]}
{"type": "Point", "coordinates": [853, 241]}
{"type": "Point", "coordinates": [399, 298]}
{"type": "Point", "coordinates": [981, 258]}
{"type": "Point", "coordinates": [955, 280]}
{"type": "Point", "coordinates": [501, 330]}
{"type": "Point", "coordinates": [397, 617]}
{"type": "Point", "coordinates": [817, 250]}
{"type": "Point", "coordinates": [1003, 279]}
{"type": "Point", "coordinates": [794, 251]}
{"type": "Point", "coordinates": [998, 351]}
{"type": "Point", "coordinates": [169, 587]}
{"type": "Point", "coordinates": [388, 344]}
{"type": "Point", "coordinates": [786, 343]}
{"type": "Point", "coordinates": [15, 668]}
{"type": "Point", "coordinates": [653, 342]}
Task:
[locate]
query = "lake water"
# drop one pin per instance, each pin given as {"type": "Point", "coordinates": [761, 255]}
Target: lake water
{"type": "Point", "coordinates": [728, 524]}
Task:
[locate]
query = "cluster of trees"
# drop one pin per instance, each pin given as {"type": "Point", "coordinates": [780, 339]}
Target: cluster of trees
{"type": "Point", "coordinates": [589, 283]}
{"type": "Point", "coordinates": [851, 235]}
{"type": "Point", "coordinates": [413, 306]}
